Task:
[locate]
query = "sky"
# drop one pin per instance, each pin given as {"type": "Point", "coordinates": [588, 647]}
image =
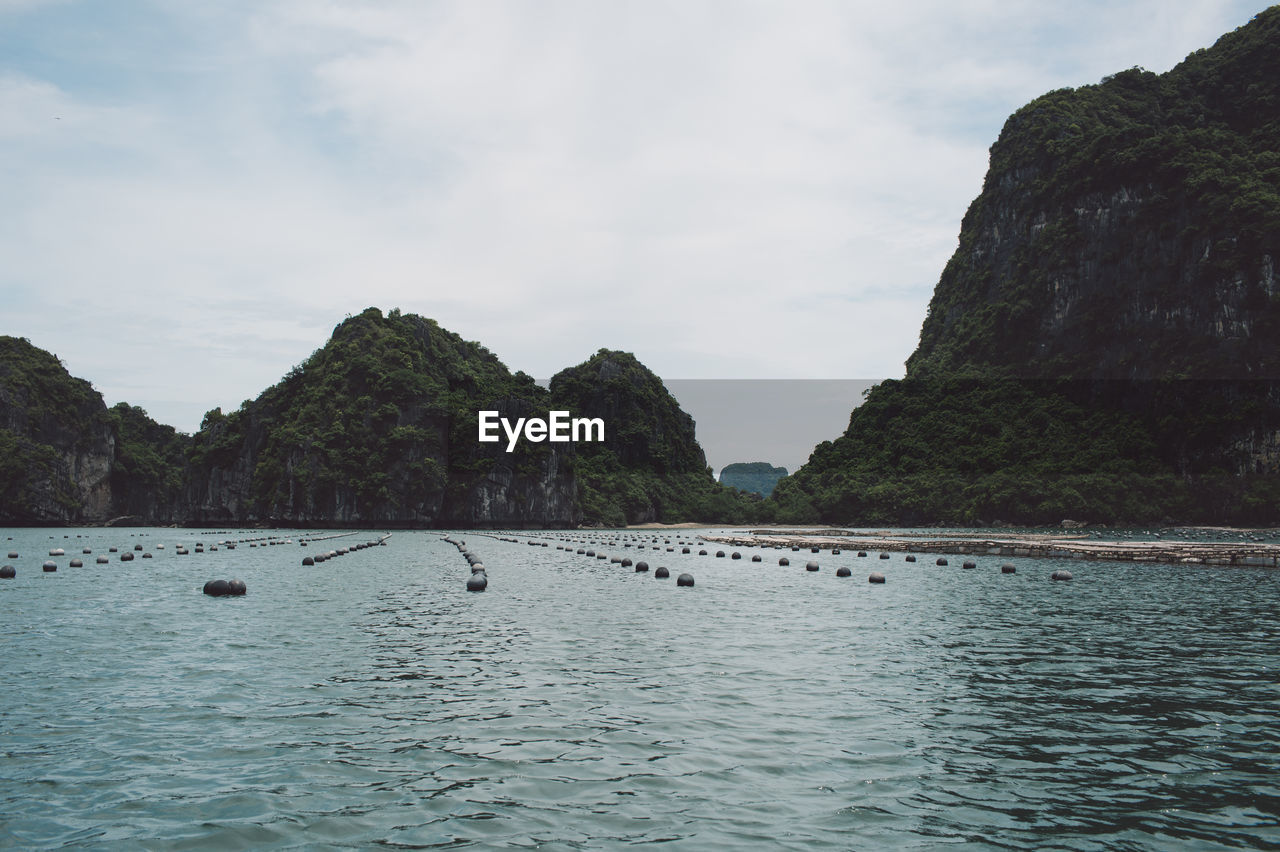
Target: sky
{"type": "Point", "coordinates": [194, 194]}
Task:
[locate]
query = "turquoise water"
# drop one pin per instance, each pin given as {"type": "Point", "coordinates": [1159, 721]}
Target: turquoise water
{"type": "Point", "coordinates": [371, 701]}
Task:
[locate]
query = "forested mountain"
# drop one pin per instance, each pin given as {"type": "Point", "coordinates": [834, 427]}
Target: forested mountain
{"type": "Point", "coordinates": [1103, 343]}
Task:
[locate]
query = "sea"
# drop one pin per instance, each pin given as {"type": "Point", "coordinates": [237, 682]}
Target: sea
{"type": "Point", "coordinates": [370, 701]}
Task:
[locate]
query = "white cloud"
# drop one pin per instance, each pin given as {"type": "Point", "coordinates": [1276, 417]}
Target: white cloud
{"type": "Point", "coordinates": [728, 189]}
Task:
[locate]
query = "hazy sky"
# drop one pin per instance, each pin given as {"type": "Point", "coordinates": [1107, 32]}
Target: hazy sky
{"type": "Point", "coordinates": [194, 194]}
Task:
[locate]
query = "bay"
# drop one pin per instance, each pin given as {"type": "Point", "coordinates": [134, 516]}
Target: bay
{"type": "Point", "coordinates": [370, 700]}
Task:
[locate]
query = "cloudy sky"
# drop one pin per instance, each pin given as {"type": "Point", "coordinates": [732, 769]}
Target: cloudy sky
{"type": "Point", "coordinates": [194, 194]}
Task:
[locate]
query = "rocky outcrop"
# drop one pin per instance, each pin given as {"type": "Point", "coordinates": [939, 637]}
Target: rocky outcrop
{"type": "Point", "coordinates": [1105, 341]}
{"type": "Point", "coordinates": [752, 477]}
{"type": "Point", "coordinates": [56, 441]}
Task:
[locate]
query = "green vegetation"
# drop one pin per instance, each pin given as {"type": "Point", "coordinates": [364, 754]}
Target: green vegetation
{"type": "Point", "coordinates": [976, 452]}
{"type": "Point", "coordinates": [380, 423]}
{"type": "Point", "coordinates": [46, 418]}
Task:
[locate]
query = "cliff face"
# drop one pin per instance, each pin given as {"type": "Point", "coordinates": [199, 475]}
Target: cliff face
{"type": "Point", "coordinates": [1129, 230]}
{"type": "Point", "coordinates": [1103, 343]}
{"type": "Point", "coordinates": [56, 441]}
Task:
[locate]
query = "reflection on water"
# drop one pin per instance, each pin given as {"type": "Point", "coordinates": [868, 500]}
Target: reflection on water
{"type": "Point", "coordinates": [370, 700]}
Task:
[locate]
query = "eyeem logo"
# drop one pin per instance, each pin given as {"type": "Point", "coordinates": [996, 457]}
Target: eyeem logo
{"type": "Point", "coordinates": [559, 428]}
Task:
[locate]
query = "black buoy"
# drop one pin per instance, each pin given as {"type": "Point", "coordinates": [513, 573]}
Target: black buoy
{"type": "Point", "coordinates": [8, 572]}
{"type": "Point", "coordinates": [843, 571]}
{"type": "Point", "coordinates": [1060, 575]}
{"type": "Point", "coordinates": [735, 555]}
{"type": "Point", "coordinates": [911, 558]}
{"type": "Point", "coordinates": [127, 556]}
{"type": "Point", "coordinates": [756, 558]}
{"type": "Point", "coordinates": [811, 566]}
{"type": "Point", "coordinates": [76, 563]}
{"type": "Point", "coordinates": [969, 563]}
{"type": "Point", "coordinates": [217, 588]}
{"type": "Point", "coordinates": [642, 566]}
{"type": "Point", "coordinates": [884, 556]}
{"type": "Point", "coordinates": [876, 577]}
{"type": "Point", "coordinates": [862, 553]}
{"type": "Point", "coordinates": [236, 587]}
{"type": "Point", "coordinates": [661, 573]}
{"type": "Point", "coordinates": [684, 580]}
{"type": "Point", "coordinates": [478, 582]}
{"type": "Point", "coordinates": [682, 550]}
{"type": "Point", "coordinates": [1006, 568]}
{"type": "Point", "coordinates": [13, 554]}
{"type": "Point", "coordinates": [626, 563]}
{"type": "Point", "coordinates": [702, 553]}
{"type": "Point", "coordinates": [50, 566]}
{"type": "Point", "coordinates": [307, 560]}
{"type": "Point", "coordinates": [784, 561]}
{"type": "Point", "coordinates": [942, 560]}
{"type": "Point", "coordinates": [719, 554]}
{"type": "Point", "coordinates": [102, 560]}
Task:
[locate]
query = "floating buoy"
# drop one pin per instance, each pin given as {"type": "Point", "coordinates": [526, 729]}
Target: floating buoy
{"type": "Point", "coordinates": [135, 547]}
{"type": "Point", "coordinates": [57, 551]}
{"type": "Point", "coordinates": [862, 553]}
{"type": "Point", "coordinates": [50, 566]}
{"type": "Point", "coordinates": [784, 561]}
{"type": "Point", "coordinates": [876, 577]}
{"type": "Point", "coordinates": [642, 566]}
{"type": "Point", "coordinates": [813, 550]}
{"type": "Point", "coordinates": [8, 572]}
{"type": "Point", "coordinates": [13, 554]}
{"type": "Point", "coordinates": [236, 587]}
{"type": "Point", "coordinates": [942, 560]}
{"type": "Point", "coordinates": [1008, 569]}
{"type": "Point", "coordinates": [911, 558]}
{"type": "Point", "coordinates": [87, 550]}
{"type": "Point", "coordinates": [843, 571]}
{"type": "Point", "coordinates": [146, 556]}
{"type": "Point", "coordinates": [811, 566]}
{"type": "Point", "coordinates": [661, 573]}
{"type": "Point", "coordinates": [478, 582]}
{"type": "Point", "coordinates": [626, 563]}
{"type": "Point", "coordinates": [127, 556]}
{"type": "Point", "coordinates": [1060, 575]}
{"type": "Point", "coordinates": [307, 560]}
{"type": "Point", "coordinates": [684, 580]}
{"type": "Point", "coordinates": [682, 550]}
{"type": "Point", "coordinates": [702, 553]}
{"type": "Point", "coordinates": [217, 588]}
{"type": "Point", "coordinates": [735, 555]}
{"type": "Point", "coordinates": [969, 563]}
{"type": "Point", "coordinates": [76, 563]}
{"type": "Point", "coordinates": [756, 558]}
{"type": "Point", "coordinates": [884, 556]}
{"type": "Point", "coordinates": [102, 560]}
{"type": "Point", "coordinates": [835, 551]}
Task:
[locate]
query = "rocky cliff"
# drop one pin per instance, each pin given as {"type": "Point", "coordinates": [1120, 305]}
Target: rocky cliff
{"type": "Point", "coordinates": [1103, 343]}
{"type": "Point", "coordinates": [56, 441]}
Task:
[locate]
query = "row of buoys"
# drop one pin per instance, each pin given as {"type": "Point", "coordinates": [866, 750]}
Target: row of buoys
{"type": "Point", "coordinates": [479, 579]}
{"type": "Point", "coordinates": [325, 556]}
{"type": "Point", "coordinates": [661, 573]}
